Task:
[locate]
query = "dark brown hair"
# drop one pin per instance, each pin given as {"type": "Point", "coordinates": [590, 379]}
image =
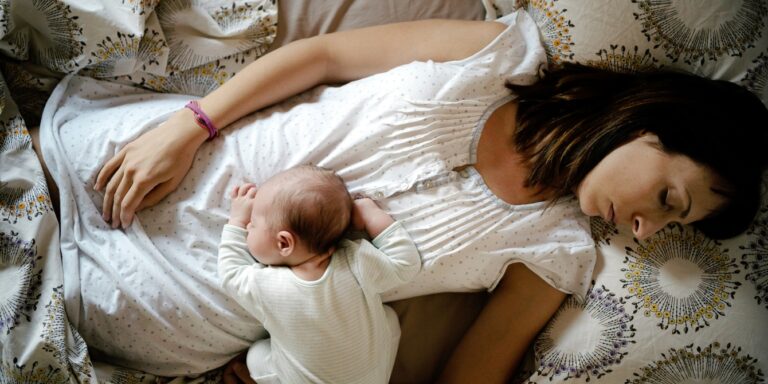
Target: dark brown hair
{"type": "Point", "coordinates": [576, 115]}
{"type": "Point", "coordinates": [314, 204]}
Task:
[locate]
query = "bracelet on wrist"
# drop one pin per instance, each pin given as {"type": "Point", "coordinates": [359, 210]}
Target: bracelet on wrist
{"type": "Point", "coordinates": [202, 120]}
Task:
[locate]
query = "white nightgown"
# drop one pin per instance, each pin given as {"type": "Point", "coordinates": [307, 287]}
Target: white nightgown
{"type": "Point", "coordinates": [148, 296]}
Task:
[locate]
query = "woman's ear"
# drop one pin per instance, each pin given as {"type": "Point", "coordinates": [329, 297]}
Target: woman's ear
{"type": "Point", "coordinates": [286, 242]}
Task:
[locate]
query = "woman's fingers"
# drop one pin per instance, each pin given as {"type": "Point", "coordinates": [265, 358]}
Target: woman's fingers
{"type": "Point", "coordinates": [109, 194]}
{"type": "Point", "coordinates": [136, 195]}
{"type": "Point", "coordinates": [117, 199]}
{"type": "Point", "coordinates": [155, 195]}
{"type": "Point", "coordinates": [107, 171]}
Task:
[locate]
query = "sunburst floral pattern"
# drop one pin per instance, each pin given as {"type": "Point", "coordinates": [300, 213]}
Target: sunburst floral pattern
{"type": "Point", "coordinates": [668, 28]}
{"type": "Point", "coordinates": [34, 372]}
{"type": "Point", "coordinates": [756, 78]}
{"type": "Point", "coordinates": [62, 340]}
{"type": "Point", "coordinates": [29, 91]}
{"type": "Point", "coordinates": [755, 257]}
{"type": "Point", "coordinates": [714, 363]}
{"type": "Point", "coordinates": [21, 280]}
{"type": "Point", "coordinates": [141, 7]}
{"type": "Point", "coordinates": [196, 81]}
{"type": "Point", "coordinates": [65, 34]}
{"type": "Point", "coordinates": [681, 278]}
{"type": "Point", "coordinates": [25, 201]}
{"type": "Point", "coordinates": [602, 230]}
{"type": "Point", "coordinates": [246, 25]}
{"type": "Point", "coordinates": [555, 27]}
{"type": "Point", "coordinates": [621, 59]}
{"type": "Point", "coordinates": [5, 20]}
{"type": "Point", "coordinates": [565, 352]}
{"type": "Point", "coordinates": [120, 55]}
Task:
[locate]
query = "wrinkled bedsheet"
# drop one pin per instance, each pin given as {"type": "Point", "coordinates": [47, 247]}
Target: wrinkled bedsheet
{"type": "Point", "coordinates": [175, 46]}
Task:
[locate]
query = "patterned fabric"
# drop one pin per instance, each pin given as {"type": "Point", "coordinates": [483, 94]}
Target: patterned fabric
{"type": "Point", "coordinates": [719, 39]}
{"type": "Point", "coordinates": [178, 46]}
{"type": "Point", "coordinates": [184, 46]}
{"type": "Point", "coordinates": [677, 307]}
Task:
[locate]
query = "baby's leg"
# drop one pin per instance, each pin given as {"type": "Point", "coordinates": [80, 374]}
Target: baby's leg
{"type": "Point", "coordinates": [53, 190]}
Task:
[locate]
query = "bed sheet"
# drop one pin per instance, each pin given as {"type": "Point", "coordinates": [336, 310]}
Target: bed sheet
{"type": "Point", "coordinates": [675, 307]}
{"type": "Point", "coordinates": [188, 46]}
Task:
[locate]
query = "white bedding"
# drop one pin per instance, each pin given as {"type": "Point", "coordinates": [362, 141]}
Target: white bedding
{"type": "Point", "coordinates": [149, 295]}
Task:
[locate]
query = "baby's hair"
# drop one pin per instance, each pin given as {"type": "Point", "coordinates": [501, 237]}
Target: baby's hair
{"type": "Point", "coordinates": [314, 204]}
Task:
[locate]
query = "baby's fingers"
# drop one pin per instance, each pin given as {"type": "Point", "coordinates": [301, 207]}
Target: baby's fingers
{"type": "Point", "coordinates": [244, 190]}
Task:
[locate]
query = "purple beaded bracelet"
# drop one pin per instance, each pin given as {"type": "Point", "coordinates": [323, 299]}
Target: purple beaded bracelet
{"type": "Point", "coordinates": [202, 119]}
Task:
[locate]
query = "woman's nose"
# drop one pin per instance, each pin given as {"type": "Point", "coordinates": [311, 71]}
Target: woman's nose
{"type": "Point", "coordinates": [644, 227]}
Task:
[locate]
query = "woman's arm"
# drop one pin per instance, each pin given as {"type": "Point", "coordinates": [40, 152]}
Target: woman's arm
{"type": "Point", "coordinates": [153, 165]}
{"type": "Point", "coordinates": [492, 348]}
{"type": "Point", "coordinates": [341, 57]}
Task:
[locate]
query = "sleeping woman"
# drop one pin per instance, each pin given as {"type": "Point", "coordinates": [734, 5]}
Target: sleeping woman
{"type": "Point", "coordinates": [446, 124]}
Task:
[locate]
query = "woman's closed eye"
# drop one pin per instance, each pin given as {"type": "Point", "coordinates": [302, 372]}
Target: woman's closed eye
{"type": "Point", "coordinates": [664, 200]}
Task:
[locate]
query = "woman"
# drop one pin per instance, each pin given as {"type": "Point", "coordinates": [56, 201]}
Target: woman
{"type": "Point", "coordinates": [471, 171]}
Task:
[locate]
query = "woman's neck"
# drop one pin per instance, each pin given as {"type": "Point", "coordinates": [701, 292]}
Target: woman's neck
{"type": "Point", "coordinates": [503, 169]}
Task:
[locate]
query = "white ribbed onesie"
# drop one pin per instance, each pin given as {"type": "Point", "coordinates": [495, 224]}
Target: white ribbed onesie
{"type": "Point", "coordinates": [331, 330]}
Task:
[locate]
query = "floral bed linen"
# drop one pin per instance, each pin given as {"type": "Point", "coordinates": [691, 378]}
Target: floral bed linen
{"type": "Point", "coordinates": [678, 307]}
{"type": "Point", "coordinates": [180, 46]}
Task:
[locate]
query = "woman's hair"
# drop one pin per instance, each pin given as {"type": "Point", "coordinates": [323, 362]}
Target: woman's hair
{"type": "Point", "coordinates": [314, 204]}
{"type": "Point", "coordinates": [576, 115]}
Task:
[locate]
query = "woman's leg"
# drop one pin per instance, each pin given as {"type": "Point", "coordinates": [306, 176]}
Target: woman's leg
{"type": "Point", "coordinates": [52, 189]}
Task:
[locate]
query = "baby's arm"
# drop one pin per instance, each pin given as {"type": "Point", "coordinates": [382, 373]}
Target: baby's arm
{"type": "Point", "coordinates": [392, 258]}
{"type": "Point", "coordinates": [238, 270]}
{"type": "Point", "coordinates": [367, 216]}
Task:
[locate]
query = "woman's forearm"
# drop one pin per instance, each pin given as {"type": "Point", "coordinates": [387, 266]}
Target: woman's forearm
{"type": "Point", "coordinates": [274, 77]}
{"type": "Point", "coordinates": [341, 57]}
{"type": "Point", "coordinates": [494, 345]}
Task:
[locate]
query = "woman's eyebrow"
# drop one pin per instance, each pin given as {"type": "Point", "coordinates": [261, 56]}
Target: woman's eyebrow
{"type": "Point", "coordinates": [685, 212]}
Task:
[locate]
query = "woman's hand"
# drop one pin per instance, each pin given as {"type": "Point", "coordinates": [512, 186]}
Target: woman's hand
{"type": "Point", "coordinates": [148, 168]}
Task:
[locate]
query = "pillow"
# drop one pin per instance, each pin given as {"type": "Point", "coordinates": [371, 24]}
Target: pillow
{"type": "Point", "coordinates": [677, 307]}
{"type": "Point", "coordinates": [720, 39]}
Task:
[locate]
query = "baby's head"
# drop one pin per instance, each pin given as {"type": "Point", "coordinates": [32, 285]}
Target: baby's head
{"type": "Point", "coordinates": [297, 213]}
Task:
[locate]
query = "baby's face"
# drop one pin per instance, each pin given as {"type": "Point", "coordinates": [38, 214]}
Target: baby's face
{"type": "Point", "coordinates": [261, 239]}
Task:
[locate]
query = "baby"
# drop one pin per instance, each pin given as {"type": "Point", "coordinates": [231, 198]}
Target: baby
{"type": "Point", "coordinates": [317, 295]}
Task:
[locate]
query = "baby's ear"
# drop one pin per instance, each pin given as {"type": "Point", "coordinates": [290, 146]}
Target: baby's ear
{"type": "Point", "coordinates": [286, 242]}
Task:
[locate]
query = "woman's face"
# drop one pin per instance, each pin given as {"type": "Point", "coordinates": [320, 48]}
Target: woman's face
{"type": "Point", "coordinates": [641, 186]}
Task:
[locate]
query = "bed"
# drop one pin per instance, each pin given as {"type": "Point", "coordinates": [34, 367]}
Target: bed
{"type": "Point", "coordinates": [676, 307]}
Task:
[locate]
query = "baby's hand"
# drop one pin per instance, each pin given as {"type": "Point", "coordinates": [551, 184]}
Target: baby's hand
{"type": "Point", "coordinates": [242, 203]}
{"type": "Point", "coordinates": [368, 216]}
